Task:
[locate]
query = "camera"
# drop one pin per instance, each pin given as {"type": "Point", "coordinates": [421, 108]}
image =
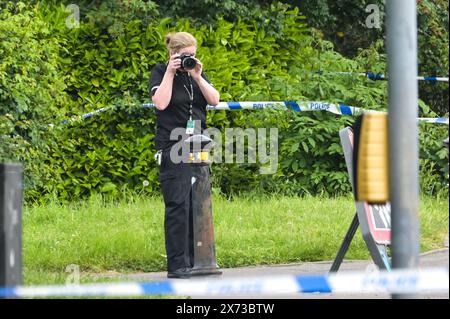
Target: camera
{"type": "Point", "coordinates": [188, 62]}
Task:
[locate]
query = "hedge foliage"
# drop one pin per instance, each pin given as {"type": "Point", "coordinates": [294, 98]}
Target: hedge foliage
{"type": "Point", "coordinates": [31, 84]}
{"type": "Point", "coordinates": [348, 32]}
{"type": "Point", "coordinates": [73, 71]}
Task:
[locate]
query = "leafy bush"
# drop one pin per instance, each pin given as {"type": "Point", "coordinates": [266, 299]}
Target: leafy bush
{"type": "Point", "coordinates": [433, 52]}
{"type": "Point", "coordinates": [96, 66]}
{"type": "Point", "coordinates": [268, 15]}
{"type": "Point", "coordinates": [343, 23]}
{"type": "Point", "coordinates": [107, 154]}
{"type": "Point", "coordinates": [433, 159]}
{"type": "Point", "coordinates": [31, 91]}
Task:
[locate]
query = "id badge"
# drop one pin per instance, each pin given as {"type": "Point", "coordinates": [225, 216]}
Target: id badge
{"type": "Point", "coordinates": [190, 127]}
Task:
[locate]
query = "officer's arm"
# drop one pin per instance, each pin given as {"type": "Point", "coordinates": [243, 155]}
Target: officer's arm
{"type": "Point", "coordinates": [163, 93]}
{"type": "Point", "coordinates": [209, 92]}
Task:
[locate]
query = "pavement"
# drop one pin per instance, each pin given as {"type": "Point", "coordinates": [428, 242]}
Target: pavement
{"type": "Point", "coordinates": [433, 259]}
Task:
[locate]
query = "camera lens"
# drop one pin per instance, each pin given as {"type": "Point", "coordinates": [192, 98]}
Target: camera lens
{"type": "Point", "coordinates": [188, 62]}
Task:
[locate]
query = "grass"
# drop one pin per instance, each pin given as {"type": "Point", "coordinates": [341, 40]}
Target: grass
{"type": "Point", "coordinates": [128, 236]}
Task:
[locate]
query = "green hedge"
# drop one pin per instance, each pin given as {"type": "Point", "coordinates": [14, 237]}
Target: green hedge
{"type": "Point", "coordinates": [31, 91]}
{"type": "Point", "coordinates": [97, 66]}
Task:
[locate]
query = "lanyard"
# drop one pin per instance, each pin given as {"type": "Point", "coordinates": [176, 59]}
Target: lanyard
{"type": "Point", "coordinates": [191, 96]}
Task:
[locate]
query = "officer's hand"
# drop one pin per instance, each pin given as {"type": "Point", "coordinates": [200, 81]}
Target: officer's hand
{"type": "Point", "coordinates": [196, 73]}
{"type": "Point", "coordinates": [174, 63]}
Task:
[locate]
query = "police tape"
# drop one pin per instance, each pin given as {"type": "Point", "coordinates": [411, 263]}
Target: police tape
{"type": "Point", "coordinates": [87, 115]}
{"type": "Point", "coordinates": [380, 76]}
{"type": "Point", "coordinates": [338, 109]}
{"type": "Point", "coordinates": [396, 281]}
{"type": "Point", "coordinates": [439, 120]}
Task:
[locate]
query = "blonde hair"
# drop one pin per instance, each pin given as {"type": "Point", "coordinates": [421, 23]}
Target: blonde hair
{"type": "Point", "coordinates": [178, 40]}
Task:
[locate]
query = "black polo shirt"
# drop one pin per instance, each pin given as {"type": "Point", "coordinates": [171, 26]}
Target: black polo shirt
{"type": "Point", "coordinates": [177, 112]}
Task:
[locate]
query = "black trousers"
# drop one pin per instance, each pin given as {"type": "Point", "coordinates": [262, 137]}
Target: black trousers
{"type": "Point", "coordinates": [176, 185]}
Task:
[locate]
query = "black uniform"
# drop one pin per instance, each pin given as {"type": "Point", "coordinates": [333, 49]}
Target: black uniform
{"type": "Point", "coordinates": [176, 178]}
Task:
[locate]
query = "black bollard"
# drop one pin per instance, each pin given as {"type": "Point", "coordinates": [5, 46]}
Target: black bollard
{"type": "Point", "coordinates": [10, 224]}
{"type": "Point", "coordinates": [204, 244]}
{"type": "Point", "coordinates": [203, 228]}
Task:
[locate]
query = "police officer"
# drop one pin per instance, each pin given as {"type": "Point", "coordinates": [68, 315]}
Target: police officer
{"type": "Point", "coordinates": [181, 92]}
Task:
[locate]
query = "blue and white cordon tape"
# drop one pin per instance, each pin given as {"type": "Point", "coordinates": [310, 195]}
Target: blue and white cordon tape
{"type": "Point", "coordinates": [339, 109]}
{"type": "Point", "coordinates": [381, 76]}
{"type": "Point", "coordinates": [438, 120]}
{"type": "Point", "coordinates": [396, 281]}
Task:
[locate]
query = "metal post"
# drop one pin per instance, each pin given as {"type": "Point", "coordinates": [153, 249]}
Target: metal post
{"type": "Point", "coordinates": [204, 244]}
{"type": "Point", "coordinates": [10, 225]}
{"type": "Point", "coordinates": [202, 223]}
{"type": "Point", "coordinates": [403, 133]}
{"type": "Point", "coordinates": [345, 244]}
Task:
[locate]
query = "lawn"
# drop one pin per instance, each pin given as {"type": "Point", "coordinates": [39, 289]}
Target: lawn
{"type": "Point", "coordinates": [127, 236]}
